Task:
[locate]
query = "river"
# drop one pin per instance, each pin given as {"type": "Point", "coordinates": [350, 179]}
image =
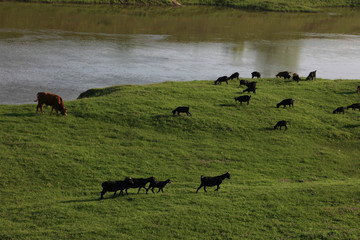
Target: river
{"type": "Point", "coordinates": [67, 49]}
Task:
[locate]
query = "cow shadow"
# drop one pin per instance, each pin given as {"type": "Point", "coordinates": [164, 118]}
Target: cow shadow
{"type": "Point", "coordinates": [163, 117]}
{"type": "Point", "coordinates": [352, 126]}
{"type": "Point", "coordinates": [227, 105]}
{"type": "Point", "coordinates": [84, 200]}
{"type": "Point", "coordinates": [349, 93]}
{"type": "Point", "coordinates": [267, 129]}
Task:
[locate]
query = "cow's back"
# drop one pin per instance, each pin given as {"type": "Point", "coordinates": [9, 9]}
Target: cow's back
{"type": "Point", "coordinates": [50, 99]}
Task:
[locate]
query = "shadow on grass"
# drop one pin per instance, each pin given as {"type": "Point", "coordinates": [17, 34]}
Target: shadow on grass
{"type": "Point", "coordinates": [83, 200]}
{"type": "Point", "coordinates": [267, 129]}
{"type": "Point", "coordinates": [95, 199]}
{"type": "Point", "coordinates": [352, 126]}
{"type": "Point", "coordinates": [169, 116]}
{"type": "Point", "coordinates": [227, 105]}
{"type": "Point", "coordinates": [134, 196]}
{"type": "Point", "coordinates": [349, 93]}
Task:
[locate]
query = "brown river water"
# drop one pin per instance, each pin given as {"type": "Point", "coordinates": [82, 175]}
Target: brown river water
{"type": "Point", "coordinates": [67, 49]}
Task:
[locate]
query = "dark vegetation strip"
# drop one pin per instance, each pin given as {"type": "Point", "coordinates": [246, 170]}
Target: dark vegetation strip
{"type": "Point", "coordinates": [255, 5]}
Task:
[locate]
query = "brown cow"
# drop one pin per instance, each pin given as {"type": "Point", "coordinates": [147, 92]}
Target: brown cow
{"type": "Point", "coordinates": [50, 99]}
{"type": "Point", "coordinates": [358, 89]}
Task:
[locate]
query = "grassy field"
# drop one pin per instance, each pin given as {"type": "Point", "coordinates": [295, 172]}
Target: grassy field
{"type": "Point", "coordinates": [268, 5]}
{"type": "Point", "coordinates": [302, 183]}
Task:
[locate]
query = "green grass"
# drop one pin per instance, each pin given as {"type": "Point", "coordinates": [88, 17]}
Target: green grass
{"type": "Point", "coordinates": [302, 183]}
{"type": "Point", "coordinates": [258, 5]}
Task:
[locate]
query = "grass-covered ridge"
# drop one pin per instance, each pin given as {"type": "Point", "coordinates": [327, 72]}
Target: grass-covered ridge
{"type": "Point", "coordinates": [268, 5]}
{"type": "Point", "coordinates": [302, 183]}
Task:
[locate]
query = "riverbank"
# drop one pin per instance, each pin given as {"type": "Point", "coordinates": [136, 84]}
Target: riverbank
{"type": "Point", "coordinates": [302, 183]}
{"type": "Point", "coordinates": [254, 5]}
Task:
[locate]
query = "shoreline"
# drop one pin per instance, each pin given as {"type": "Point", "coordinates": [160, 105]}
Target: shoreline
{"type": "Point", "coordinates": [267, 6]}
{"type": "Point", "coordinates": [90, 91]}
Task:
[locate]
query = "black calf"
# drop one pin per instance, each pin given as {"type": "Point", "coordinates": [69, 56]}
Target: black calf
{"type": "Point", "coordinates": [179, 110]}
{"type": "Point", "coordinates": [158, 184]}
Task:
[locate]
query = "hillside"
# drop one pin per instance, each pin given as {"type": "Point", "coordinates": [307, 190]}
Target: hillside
{"type": "Point", "coordinates": [301, 183]}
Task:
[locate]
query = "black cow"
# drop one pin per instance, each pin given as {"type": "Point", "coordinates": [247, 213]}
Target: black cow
{"type": "Point", "coordinates": [179, 110]}
{"type": "Point", "coordinates": [234, 75]}
{"type": "Point", "coordinates": [221, 79]}
{"type": "Point", "coordinates": [255, 74]}
{"type": "Point", "coordinates": [339, 110]}
{"type": "Point", "coordinates": [354, 106]}
{"type": "Point", "coordinates": [250, 89]}
{"type": "Point", "coordinates": [114, 186]}
{"type": "Point", "coordinates": [281, 124]}
{"type": "Point", "coordinates": [285, 102]}
{"type": "Point", "coordinates": [284, 74]}
{"type": "Point", "coordinates": [243, 82]}
{"type": "Point", "coordinates": [140, 183]}
{"type": "Point", "coordinates": [296, 77]}
{"type": "Point", "coordinates": [311, 76]}
{"type": "Point", "coordinates": [212, 181]}
{"type": "Point", "coordinates": [358, 89]}
{"type": "Point", "coordinates": [244, 98]}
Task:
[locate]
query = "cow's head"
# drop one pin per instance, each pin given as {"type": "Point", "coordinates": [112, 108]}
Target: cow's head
{"type": "Point", "coordinates": [64, 111]}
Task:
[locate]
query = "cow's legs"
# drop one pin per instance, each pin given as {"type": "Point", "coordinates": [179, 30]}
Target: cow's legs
{"type": "Point", "coordinates": [199, 188]}
{"type": "Point", "coordinates": [102, 193]}
{"type": "Point", "coordinates": [41, 108]}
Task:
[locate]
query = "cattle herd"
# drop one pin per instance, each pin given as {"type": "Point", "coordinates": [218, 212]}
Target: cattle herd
{"type": "Point", "coordinates": [57, 104]}
{"type": "Point", "coordinates": [129, 182]}
{"type": "Point", "coordinates": [251, 87]}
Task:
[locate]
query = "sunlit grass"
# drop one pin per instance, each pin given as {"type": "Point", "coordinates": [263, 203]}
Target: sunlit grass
{"type": "Point", "coordinates": [302, 183]}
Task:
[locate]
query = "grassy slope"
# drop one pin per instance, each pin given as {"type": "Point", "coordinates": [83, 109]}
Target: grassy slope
{"type": "Point", "coordinates": [300, 183]}
{"type": "Point", "coordinates": [268, 5]}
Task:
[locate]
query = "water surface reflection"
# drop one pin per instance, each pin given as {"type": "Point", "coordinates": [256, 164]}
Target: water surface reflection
{"type": "Point", "coordinates": [69, 49]}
